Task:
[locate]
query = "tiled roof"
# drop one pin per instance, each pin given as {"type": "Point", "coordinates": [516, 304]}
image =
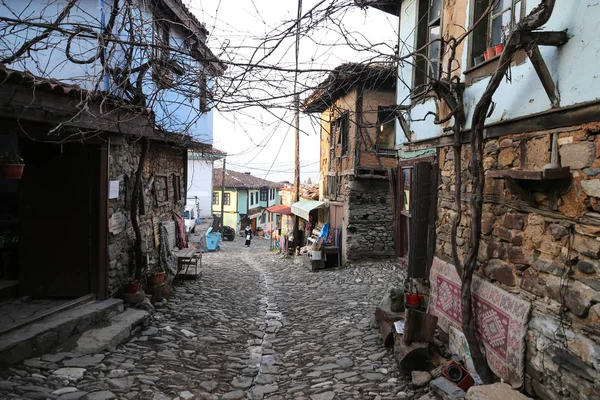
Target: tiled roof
{"type": "Point", "coordinates": [344, 77]}
{"type": "Point", "coordinates": [241, 180]}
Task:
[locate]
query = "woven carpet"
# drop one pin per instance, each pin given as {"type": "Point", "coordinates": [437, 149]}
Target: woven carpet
{"type": "Point", "coordinates": [500, 318]}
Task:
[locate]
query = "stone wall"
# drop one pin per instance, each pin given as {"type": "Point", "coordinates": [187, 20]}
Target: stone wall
{"type": "Point", "coordinates": [123, 160]}
{"type": "Point", "coordinates": [368, 232]}
{"type": "Point", "coordinates": [544, 249]}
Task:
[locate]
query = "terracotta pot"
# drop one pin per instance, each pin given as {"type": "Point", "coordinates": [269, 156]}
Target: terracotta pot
{"type": "Point", "coordinates": [152, 280]}
{"type": "Point", "coordinates": [490, 53]}
{"type": "Point", "coordinates": [131, 287]}
{"type": "Point", "coordinates": [134, 298]}
{"type": "Point", "coordinates": [161, 277]}
{"type": "Point", "coordinates": [499, 48]}
{"type": "Point", "coordinates": [157, 294]}
{"type": "Point", "coordinates": [11, 171]}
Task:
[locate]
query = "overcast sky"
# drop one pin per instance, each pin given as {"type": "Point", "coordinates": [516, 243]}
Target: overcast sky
{"type": "Point", "coordinates": [262, 141]}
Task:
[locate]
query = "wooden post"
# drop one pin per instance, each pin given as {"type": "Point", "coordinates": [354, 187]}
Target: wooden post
{"type": "Point", "coordinates": [223, 197]}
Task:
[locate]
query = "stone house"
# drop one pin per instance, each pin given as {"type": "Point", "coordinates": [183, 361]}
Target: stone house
{"type": "Point", "coordinates": [244, 199]}
{"type": "Point", "coordinates": [355, 105]}
{"type": "Point", "coordinates": [540, 243]}
{"type": "Point", "coordinates": [81, 135]}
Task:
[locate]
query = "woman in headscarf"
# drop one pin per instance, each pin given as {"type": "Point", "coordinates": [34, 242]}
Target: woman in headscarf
{"type": "Point", "coordinates": [248, 233]}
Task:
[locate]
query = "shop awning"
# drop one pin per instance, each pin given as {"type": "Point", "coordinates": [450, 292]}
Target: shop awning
{"type": "Point", "coordinates": [304, 207]}
{"type": "Point", "coordinates": [280, 209]}
{"type": "Point", "coordinates": [253, 216]}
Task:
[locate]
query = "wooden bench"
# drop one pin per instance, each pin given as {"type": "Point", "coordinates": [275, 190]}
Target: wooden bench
{"type": "Point", "coordinates": [187, 258]}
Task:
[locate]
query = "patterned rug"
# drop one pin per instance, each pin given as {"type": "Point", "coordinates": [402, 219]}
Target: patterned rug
{"type": "Point", "coordinates": [501, 318]}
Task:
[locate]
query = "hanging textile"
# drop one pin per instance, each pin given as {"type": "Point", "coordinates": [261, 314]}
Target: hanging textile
{"type": "Point", "coordinates": [181, 236]}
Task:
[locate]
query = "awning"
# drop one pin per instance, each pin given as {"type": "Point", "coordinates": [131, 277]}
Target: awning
{"type": "Point", "coordinates": [304, 207]}
{"type": "Point", "coordinates": [253, 216]}
{"type": "Point", "coordinates": [280, 209]}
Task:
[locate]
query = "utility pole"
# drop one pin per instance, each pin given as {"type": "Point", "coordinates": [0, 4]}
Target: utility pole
{"type": "Point", "coordinates": [222, 197]}
{"type": "Point", "coordinates": [297, 106]}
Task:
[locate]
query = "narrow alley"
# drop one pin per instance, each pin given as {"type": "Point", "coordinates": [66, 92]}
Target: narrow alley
{"type": "Point", "coordinates": [253, 326]}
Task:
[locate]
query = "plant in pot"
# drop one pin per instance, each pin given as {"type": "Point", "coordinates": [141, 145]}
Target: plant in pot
{"type": "Point", "coordinates": [131, 285]}
{"type": "Point", "coordinates": [11, 166]}
{"type": "Point", "coordinates": [155, 277]}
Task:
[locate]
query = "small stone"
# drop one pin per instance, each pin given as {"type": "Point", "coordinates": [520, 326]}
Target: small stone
{"type": "Point", "coordinates": [500, 271]}
{"type": "Point", "coordinates": [209, 386]}
{"type": "Point", "coordinates": [64, 391]}
{"type": "Point", "coordinates": [85, 361]}
{"type": "Point", "coordinates": [591, 187]}
{"type": "Point", "coordinates": [150, 331]}
{"type": "Point", "coordinates": [72, 396]}
{"type": "Point", "coordinates": [121, 383]}
{"type": "Point", "coordinates": [117, 373]}
{"type": "Point", "coordinates": [420, 378]}
{"type": "Point", "coordinates": [326, 367]}
{"type": "Point", "coordinates": [497, 391]}
{"type": "Point", "coordinates": [261, 390]}
{"type": "Point", "coordinates": [185, 395]}
{"type": "Point", "coordinates": [37, 363]}
{"type": "Point", "coordinates": [588, 267]}
{"type": "Point", "coordinates": [241, 382]}
{"type": "Point", "coordinates": [235, 395]}
{"type": "Point", "coordinates": [577, 155]}
{"type": "Point", "coordinates": [7, 386]}
{"type": "Point", "coordinates": [374, 376]}
{"type": "Point", "coordinates": [72, 374]}
{"type": "Point", "coordinates": [188, 334]}
{"type": "Point", "coordinates": [377, 356]}
{"type": "Point", "coordinates": [101, 395]}
{"type": "Point", "coordinates": [345, 362]}
{"type": "Point", "coordinates": [323, 396]}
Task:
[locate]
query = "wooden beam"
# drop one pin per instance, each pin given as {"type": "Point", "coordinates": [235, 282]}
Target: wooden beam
{"type": "Point", "coordinates": [533, 52]}
{"type": "Point", "coordinates": [543, 38]}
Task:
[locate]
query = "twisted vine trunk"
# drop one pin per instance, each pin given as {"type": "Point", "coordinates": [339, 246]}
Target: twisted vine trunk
{"type": "Point", "coordinates": [135, 201]}
{"type": "Point", "coordinates": [538, 17]}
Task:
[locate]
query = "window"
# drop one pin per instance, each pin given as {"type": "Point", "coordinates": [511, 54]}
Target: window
{"type": "Point", "coordinates": [161, 190]}
{"type": "Point", "coordinates": [176, 188]}
{"type": "Point", "coordinates": [495, 28]}
{"type": "Point", "coordinates": [386, 135]}
{"type": "Point", "coordinates": [427, 60]}
{"type": "Point", "coordinates": [339, 132]}
{"type": "Point", "coordinates": [161, 42]}
{"type": "Point", "coordinates": [264, 194]}
{"type": "Point", "coordinates": [227, 199]}
{"type": "Point", "coordinates": [216, 198]}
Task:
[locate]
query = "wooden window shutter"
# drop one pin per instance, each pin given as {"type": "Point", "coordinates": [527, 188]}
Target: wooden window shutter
{"type": "Point", "coordinates": [423, 204]}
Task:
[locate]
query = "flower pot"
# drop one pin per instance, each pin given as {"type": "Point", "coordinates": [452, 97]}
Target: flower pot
{"type": "Point", "coordinates": [478, 60]}
{"type": "Point", "coordinates": [11, 171]}
{"type": "Point", "coordinates": [157, 294]}
{"type": "Point", "coordinates": [131, 287]}
{"type": "Point", "coordinates": [152, 280]}
{"type": "Point", "coordinates": [490, 53]}
{"type": "Point", "coordinates": [161, 277]}
{"type": "Point", "coordinates": [499, 48]}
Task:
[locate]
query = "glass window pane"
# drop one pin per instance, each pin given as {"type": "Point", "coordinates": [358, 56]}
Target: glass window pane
{"type": "Point", "coordinates": [435, 10]}
{"type": "Point", "coordinates": [406, 189]}
{"type": "Point", "coordinates": [501, 6]}
{"type": "Point", "coordinates": [501, 26]}
{"type": "Point", "coordinates": [517, 10]}
{"type": "Point", "coordinates": [434, 49]}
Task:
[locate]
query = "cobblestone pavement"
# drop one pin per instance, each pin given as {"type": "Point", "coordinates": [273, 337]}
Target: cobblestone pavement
{"type": "Point", "coordinates": [254, 326]}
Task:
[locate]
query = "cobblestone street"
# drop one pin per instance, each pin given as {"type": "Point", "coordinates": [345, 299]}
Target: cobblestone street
{"type": "Point", "coordinates": [254, 326]}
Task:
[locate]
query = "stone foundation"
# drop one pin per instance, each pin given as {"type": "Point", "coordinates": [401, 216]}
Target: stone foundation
{"type": "Point", "coordinates": [163, 161]}
{"type": "Point", "coordinates": [368, 232]}
{"type": "Point", "coordinates": [546, 251]}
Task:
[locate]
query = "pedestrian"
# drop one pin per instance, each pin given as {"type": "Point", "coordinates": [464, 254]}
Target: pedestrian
{"type": "Point", "coordinates": [248, 233]}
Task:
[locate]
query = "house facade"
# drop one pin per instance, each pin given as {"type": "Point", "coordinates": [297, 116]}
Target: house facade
{"type": "Point", "coordinates": [200, 180]}
{"type": "Point", "coordinates": [244, 199]}
{"type": "Point", "coordinates": [540, 244]}
{"type": "Point", "coordinates": [82, 112]}
{"type": "Point", "coordinates": [355, 108]}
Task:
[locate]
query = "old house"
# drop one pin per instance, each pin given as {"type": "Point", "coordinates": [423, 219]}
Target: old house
{"type": "Point", "coordinates": [355, 107]}
{"type": "Point", "coordinates": [537, 287]}
{"type": "Point", "coordinates": [244, 199]}
{"type": "Point", "coordinates": [81, 113]}
{"type": "Point", "coordinates": [200, 180]}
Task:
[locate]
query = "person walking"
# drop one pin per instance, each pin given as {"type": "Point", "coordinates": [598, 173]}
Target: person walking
{"type": "Point", "coordinates": [248, 233]}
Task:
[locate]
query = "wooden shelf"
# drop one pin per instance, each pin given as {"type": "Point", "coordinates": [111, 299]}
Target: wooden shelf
{"type": "Point", "coordinates": [531, 175]}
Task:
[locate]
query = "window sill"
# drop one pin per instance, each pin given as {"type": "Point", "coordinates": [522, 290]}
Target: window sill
{"type": "Point", "coordinates": [487, 68]}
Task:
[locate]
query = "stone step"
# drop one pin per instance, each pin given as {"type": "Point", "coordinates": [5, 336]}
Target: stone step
{"type": "Point", "coordinates": [42, 336]}
{"type": "Point", "coordinates": [109, 336]}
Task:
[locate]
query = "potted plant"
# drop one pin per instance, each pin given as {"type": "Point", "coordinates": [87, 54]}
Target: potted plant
{"type": "Point", "coordinates": [490, 53]}
{"type": "Point", "coordinates": [11, 166]}
{"type": "Point", "coordinates": [131, 285]}
{"type": "Point", "coordinates": [499, 48]}
{"type": "Point", "coordinates": [155, 278]}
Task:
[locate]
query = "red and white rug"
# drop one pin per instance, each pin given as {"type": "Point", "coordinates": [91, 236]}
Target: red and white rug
{"type": "Point", "coordinates": [500, 318]}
